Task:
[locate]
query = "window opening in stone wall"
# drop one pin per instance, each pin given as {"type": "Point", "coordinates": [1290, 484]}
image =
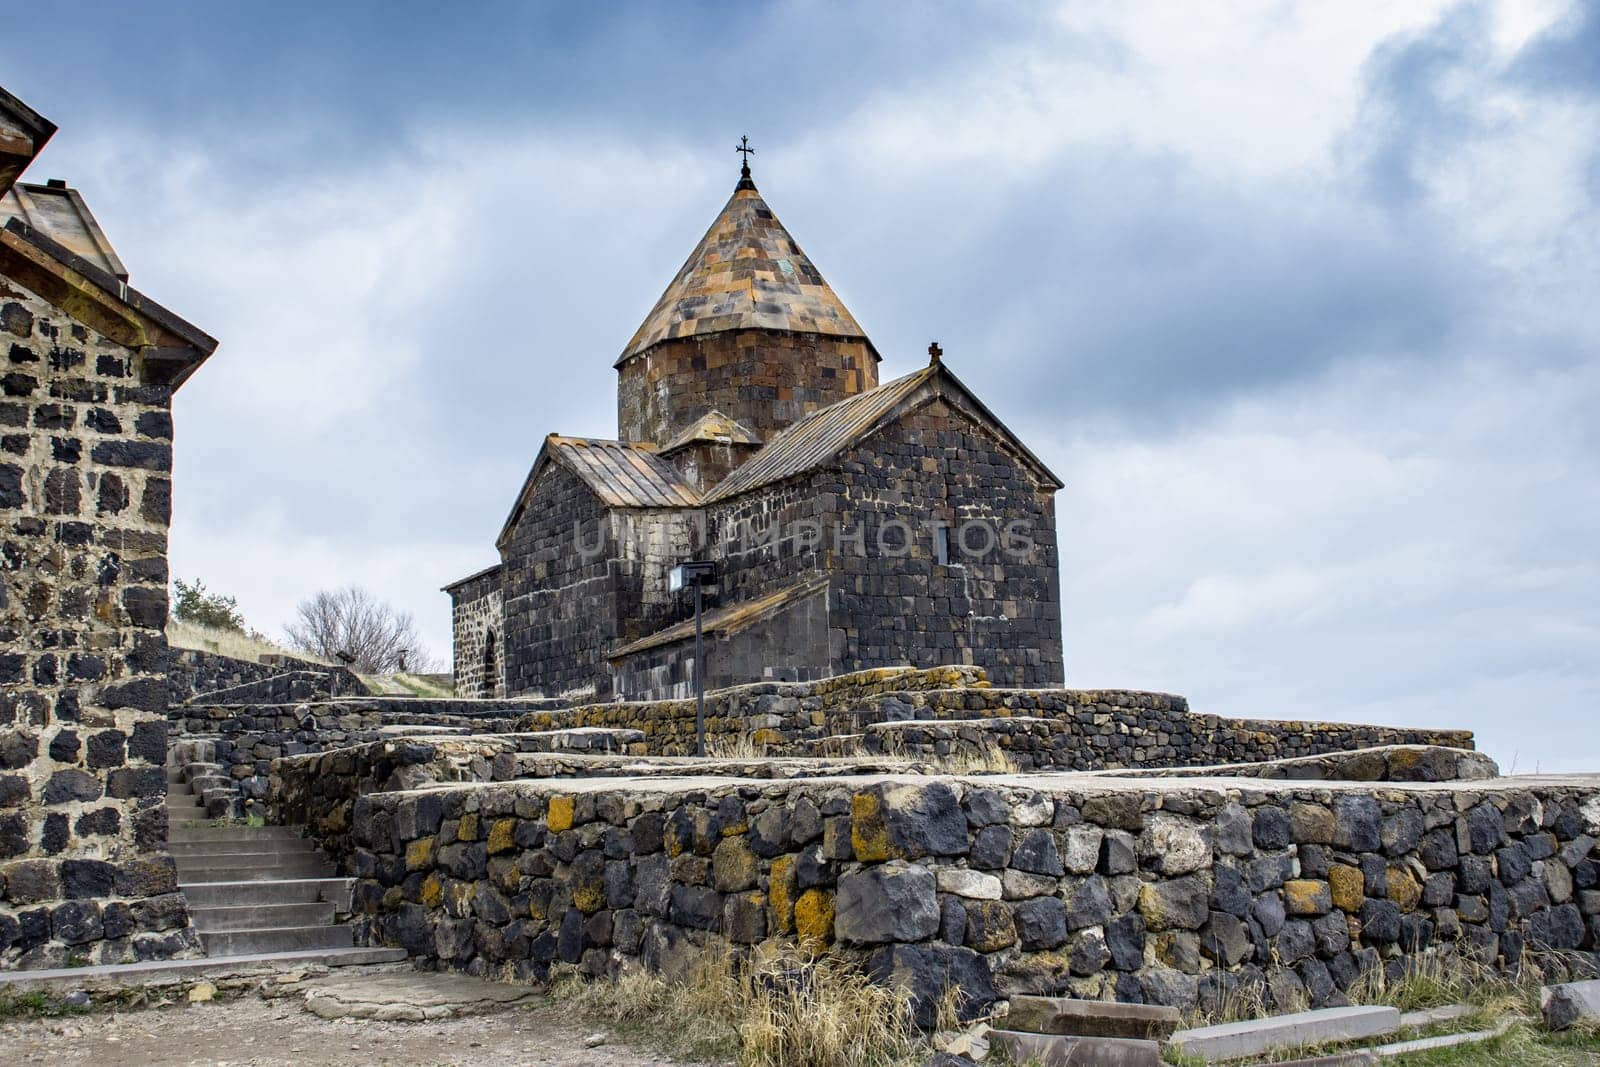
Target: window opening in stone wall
{"type": "Point", "coordinates": [490, 674]}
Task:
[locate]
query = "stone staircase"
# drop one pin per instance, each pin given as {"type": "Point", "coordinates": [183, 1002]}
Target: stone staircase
{"type": "Point", "coordinates": [257, 891]}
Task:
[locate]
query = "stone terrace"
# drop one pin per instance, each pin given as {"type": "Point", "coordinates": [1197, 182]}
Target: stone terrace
{"type": "Point", "coordinates": [1162, 891]}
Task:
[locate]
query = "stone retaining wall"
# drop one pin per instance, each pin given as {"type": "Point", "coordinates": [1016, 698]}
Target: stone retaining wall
{"type": "Point", "coordinates": [319, 792]}
{"type": "Point", "coordinates": [1101, 736]}
{"type": "Point", "coordinates": [1067, 729]}
{"type": "Point", "coordinates": [194, 673]}
{"type": "Point", "coordinates": [246, 738]}
{"type": "Point", "coordinates": [1173, 892]}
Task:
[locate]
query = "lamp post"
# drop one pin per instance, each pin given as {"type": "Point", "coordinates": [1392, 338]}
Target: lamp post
{"type": "Point", "coordinates": [696, 573]}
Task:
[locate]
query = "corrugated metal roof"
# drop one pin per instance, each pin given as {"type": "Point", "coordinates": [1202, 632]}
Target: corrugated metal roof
{"type": "Point", "coordinates": [713, 426]}
{"type": "Point", "coordinates": [746, 273]}
{"type": "Point", "coordinates": [819, 436]}
{"type": "Point", "coordinates": [822, 435]}
{"type": "Point", "coordinates": [624, 475]}
{"type": "Point", "coordinates": [61, 215]}
{"type": "Point", "coordinates": [730, 619]}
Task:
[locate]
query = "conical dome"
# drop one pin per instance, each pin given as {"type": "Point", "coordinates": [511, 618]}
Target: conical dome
{"type": "Point", "coordinates": [746, 273]}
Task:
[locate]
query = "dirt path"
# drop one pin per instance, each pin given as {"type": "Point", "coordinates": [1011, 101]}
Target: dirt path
{"type": "Point", "coordinates": [252, 1030]}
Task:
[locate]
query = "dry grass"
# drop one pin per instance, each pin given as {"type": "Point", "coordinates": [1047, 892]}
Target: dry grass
{"type": "Point", "coordinates": [736, 747]}
{"type": "Point", "coordinates": [786, 1010]}
{"type": "Point", "coordinates": [1435, 979]}
{"type": "Point", "coordinates": [423, 686]}
{"type": "Point", "coordinates": [987, 759]}
{"type": "Point", "coordinates": [230, 643]}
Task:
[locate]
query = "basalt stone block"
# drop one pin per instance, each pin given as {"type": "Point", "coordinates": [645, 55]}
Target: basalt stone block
{"type": "Point", "coordinates": [77, 922]}
{"type": "Point", "coordinates": [1035, 852]}
{"type": "Point", "coordinates": [1561, 928]}
{"type": "Point", "coordinates": [925, 971]}
{"type": "Point", "coordinates": [991, 847]}
{"type": "Point", "coordinates": [14, 791]}
{"type": "Point", "coordinates": [132, 783]}
{"type": "Point", "coordinates": [1402, 831]}
{"type": "Point", "coordinates": [1357, 824]}
{"type": "Point", "coordinates": [887, 903]}
{"type": "Point", "coordinates": [1125, 938]}
{"type": "Point", "coordinates": [1226, 940]}
{"type": "Point", "coordinates": [32, 881]}
{"type": "Point", "coordinates": [1116, 811]}
{"type": "Point", "coordinates": [1483, 830]}
{"type": "Point", "coordinates": [1272, 829]}
{"type": "Point", "coordinates": [72, 785]}
{"type": "Point", "coordinates": [87, 879]}
{"type": "Point", "coordinates": [1177, 904]}
{"type": "Point", "coordinates": [148, 742]}
{"type": "Point", "coordinates": [700, 907]}
{"type": "Point", "coordinates": [1380, 922]}
{"type": "Point", "coordinates": [987, 807]}
{"type": "Point", "coordinates": [17, 749]}
{"type": "Point", "coordinates": [1088, 902]}
{"type": "Point", "coordinates": [1041, 923]}
{"type": "Point", "coordinates": [107, 749]}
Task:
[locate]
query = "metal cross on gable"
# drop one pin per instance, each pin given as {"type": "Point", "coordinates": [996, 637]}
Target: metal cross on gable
{"type": "Point", "coordinates": [744, 147]}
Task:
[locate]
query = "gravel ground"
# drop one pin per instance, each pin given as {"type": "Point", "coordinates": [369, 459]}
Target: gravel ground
{"type": "Point", "coordinates": [252, 1030]}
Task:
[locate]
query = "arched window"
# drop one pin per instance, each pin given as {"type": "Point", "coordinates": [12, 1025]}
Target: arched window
{"type": "Point", "coordinates": [491, 674]}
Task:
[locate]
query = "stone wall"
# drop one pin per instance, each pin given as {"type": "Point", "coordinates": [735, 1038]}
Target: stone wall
{"type": "Point", "coordinates": [765, 379]}
{"type": "Point", "coordinates": [85, 500]}
{"type": "Point", "coordinates": [245, 739]}
{"type": "Point", "coordinates": [320, 791]}
{"type": "Point", "coordinates": [193, 672]}
{"type": "Point", "coordinates": [1175, 893]}
{"type": "Point", "coordinates": [560, 606]}
{"type": "Point", "coordinates": [791, 645]}
{"type": "Point", "coordinates": [1068, 729]}
{"type": "Point", "coordinates": [479, 630]}
{"type": "Point", "coordinates": [897, 596]}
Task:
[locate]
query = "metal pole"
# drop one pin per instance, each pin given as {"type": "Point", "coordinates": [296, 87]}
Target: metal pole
{"type": "Point", "coordinates": [699, 680]}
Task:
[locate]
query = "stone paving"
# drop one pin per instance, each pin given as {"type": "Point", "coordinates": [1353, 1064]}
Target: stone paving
{"type": "Point", "coordinates": [479, 1023]}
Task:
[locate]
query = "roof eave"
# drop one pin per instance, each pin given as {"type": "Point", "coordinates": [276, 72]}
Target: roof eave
{"type": "Point", "coordinates": [15, 155]}
{"type": "Point", "coordinates": [170, 344]}
{"type": "Point", "coordinates": [630, 354]}
{"type": "Point", "coordinates": [474, 576]}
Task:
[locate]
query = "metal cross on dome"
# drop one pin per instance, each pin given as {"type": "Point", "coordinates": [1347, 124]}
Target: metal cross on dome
{"type": "Point", "coordinates": [744, 147]}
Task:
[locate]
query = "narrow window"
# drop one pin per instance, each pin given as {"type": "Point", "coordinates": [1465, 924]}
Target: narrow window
{"type": "Point", "coordinates": [490, 672]}
{"type": "Point", "coordinates": [941, 545]}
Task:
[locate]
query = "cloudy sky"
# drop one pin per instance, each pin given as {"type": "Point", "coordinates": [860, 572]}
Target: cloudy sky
{"type": "Point", "coordinates": [1300, 299]}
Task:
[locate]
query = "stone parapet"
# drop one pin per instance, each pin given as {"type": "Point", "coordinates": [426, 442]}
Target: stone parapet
{"type": "Point", "coordinates": [1179, 893]}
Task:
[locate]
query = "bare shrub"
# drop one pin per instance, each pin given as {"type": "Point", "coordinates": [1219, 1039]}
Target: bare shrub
{"type": "Point", "coordinates": [782, 1010]}
{"type": "Point", "coordinates": [379, 639]}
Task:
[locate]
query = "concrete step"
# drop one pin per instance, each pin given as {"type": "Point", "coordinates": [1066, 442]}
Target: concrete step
{"type": "Point", "coordinates": [282, 846]}
{"type": "Point", "coordinates": [283, 891]}
{"type": "Point", "coordinates": [261, 917]}
{"type": "Point", "coordinates": [67, 979]}
{"type": "Point", "coordinates": [282, 939]}
{"type": "Point", "coordinates": [244, 872]}
{"type": "Point", "coordinates": [229, 833]}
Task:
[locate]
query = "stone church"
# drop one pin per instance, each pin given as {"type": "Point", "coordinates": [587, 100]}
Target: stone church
{"type": "Point", "coordinates": [852, 524]}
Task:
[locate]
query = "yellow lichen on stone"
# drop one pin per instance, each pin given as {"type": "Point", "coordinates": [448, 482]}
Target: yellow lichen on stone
{"type": "Point", "coordinates": [767, 736]}
{"type": "Point", "coordinates": [502, 836]}
{"type": "Point", "coordinates": [419, 854]}
{"type": "Point", "coordinates": [558, 816]}
{"type": "Point", "coordinates": [468, 830]}
{"type": "Point", "coordinates": [780, 895]}
{"type": "Point", "coordinates": [432, 893]}
{"type": "Point", "coordinates": [589, 896]}
{"type": "Point", "coordinates": [1404, 889]}
{"type": "Point", "coordinates": [813, 919]}
{"type": "Point", "coordinates": [1349, 887]}
{"type": "Point", "coordinates": [869, 834]}
{"type": "Point", "coordinates": [1306, 896]}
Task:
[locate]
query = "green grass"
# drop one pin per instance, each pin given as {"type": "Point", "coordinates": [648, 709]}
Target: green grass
{"type": "Point", "coordinates": [35, 1006]}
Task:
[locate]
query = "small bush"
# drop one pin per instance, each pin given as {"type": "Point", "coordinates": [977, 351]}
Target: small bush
{"type": "Point", "coordinates": [786, 1010]}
